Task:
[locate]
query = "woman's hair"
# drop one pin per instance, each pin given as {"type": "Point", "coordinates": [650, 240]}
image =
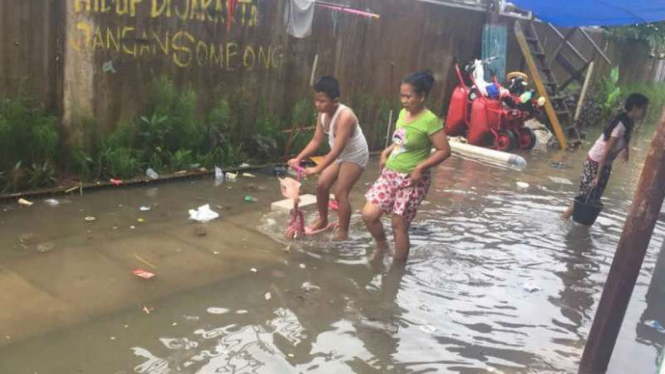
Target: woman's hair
{"type": "Point", "coordinates": [422, 82]}
{"type": "Point", "coordinates": [329, 86]}
{"type": "Point", "coordinates": [634, 100]}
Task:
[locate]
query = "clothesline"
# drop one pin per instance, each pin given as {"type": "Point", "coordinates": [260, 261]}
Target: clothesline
{"type": "Point", "coordinates": [346, 9]}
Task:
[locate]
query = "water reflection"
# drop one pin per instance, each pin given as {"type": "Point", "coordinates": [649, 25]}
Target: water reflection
{"type": "Point", "coordinates": [314, 330]}
{"type": "Point", "coordinates": [654, 315]}
{"type": "Point", "coordinates": [576, 298]}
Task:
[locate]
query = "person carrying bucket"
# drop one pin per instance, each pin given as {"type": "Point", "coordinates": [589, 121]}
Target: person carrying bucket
{"type": "Point", "coordinates": [346, 160]}
{"type": "Point", "coordinates": [406, 166]}
{"type": "Point", "coordinates": [614, 140]}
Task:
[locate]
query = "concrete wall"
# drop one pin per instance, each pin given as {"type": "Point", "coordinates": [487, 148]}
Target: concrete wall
{"type": "Point", "coordinates": [113, 49]}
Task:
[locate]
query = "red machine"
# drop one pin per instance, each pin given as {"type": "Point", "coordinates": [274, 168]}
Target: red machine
{"type": "Point", "coordinates": [493, 115]}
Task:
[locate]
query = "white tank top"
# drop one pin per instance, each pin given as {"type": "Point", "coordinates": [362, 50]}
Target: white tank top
{"type": "Point", "coordinates": [356, 149]}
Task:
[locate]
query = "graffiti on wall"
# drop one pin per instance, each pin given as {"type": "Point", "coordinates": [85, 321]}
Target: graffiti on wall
{"type": "Point", "coordinates": [181, 46]}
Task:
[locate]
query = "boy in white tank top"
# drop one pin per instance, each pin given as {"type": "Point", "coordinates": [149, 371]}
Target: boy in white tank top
{"type": "Point", "coordinates": [346, 160]}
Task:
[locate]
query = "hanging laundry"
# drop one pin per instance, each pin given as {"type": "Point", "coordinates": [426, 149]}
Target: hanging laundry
{"type": "Point", "coordinates": [298, 17]}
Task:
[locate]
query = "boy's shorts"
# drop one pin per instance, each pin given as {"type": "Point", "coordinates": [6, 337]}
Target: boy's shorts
{"type": "Point", "coordinates": [395, 193]}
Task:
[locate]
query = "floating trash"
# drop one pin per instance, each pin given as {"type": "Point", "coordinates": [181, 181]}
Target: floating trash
{"type": "Point", "coordinates": [655, 325]}
{"type": "Point", "coordinates": [45, 247]}
{"type": "Point", "coordinates": [150, 173]}
{"type": "Point", "coordinates": [25, 202]}
{"type": "Point", "coordinates": [219, 176]}
{"type": "Point", "coordinates": [143, 274]}
{"type": "Point", "coordinates": [145, 208]}
{"type": "Point", "coordinates": [309, 287]}
{"type": "Point", "coordinates": [215, 310]}
{"type": "Point", "coordinates": [558, 165]}
{"type": "Point", "coordinates": [90, 219]}
{"type": "Point", "coordinates": [530, 288]}
{"type": "Point", "coordinates": [268, 296]}
{"type": "Point", "coordinates": [203, 214]}
{"type": "Point", "coordinates": [241, 311]}
{"type": "Point", "coordinates": [378, 325]}
{"type": "Point", "coordinates": [561, 180]}
{"type": "Point", "coordinates": [52, 202]}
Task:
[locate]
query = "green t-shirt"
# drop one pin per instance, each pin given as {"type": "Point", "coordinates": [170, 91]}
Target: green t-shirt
{"type": "Point", "coordinates": [412, 144]}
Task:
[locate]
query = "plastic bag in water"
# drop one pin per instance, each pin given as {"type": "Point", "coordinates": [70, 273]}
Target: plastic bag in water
{"type": "Point", "coordinates": [290, 188]}
{"type": "Point", "coordinates": [203, 214]}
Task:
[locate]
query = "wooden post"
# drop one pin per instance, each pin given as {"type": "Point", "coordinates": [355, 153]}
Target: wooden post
{"type": "Point", "coordinates": [628, 259]}
{"type": "Point", "coordinates": [585, 86]}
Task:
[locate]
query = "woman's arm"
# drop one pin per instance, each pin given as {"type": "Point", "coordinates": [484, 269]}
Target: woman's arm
{"type": "Point", "coordinates": [601, 163]}
{"type": "Point", "coordinates": [441, 153]}
{"type": "Point", "coordinates": [311, 147]}
{"type": "Point", "coordinates": [345, 126]}
{"type": "Point", "coordinates": [384, 156]}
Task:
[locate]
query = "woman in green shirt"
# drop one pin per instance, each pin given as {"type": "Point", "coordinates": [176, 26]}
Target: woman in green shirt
{"type": "Point", "coordinates": [405, 166]}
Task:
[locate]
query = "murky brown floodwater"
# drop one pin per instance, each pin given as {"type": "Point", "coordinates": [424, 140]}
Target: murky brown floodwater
{"type": "Point", "coordinates": [496, 282]}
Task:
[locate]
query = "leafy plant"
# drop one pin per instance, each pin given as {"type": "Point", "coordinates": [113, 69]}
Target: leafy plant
{"type": "Point", "coordinates": [42, 175]}
{"type": "Point", "coordinates": [119, 163]}
{"type": "Point", "coordinates": [656, 94]}
{"type": "Point", "coordinates": [609, 93]}
{"type": "Point", "coordinates": [182, 159]}
{"type": "Point", "coordinates": [652, 34]}
{"type": "Point", "coordinates": [83, 164]}
{"type": "Point", "coordinates": [152, 131]}
{"type": "Point", "coordinates": [28, 134]}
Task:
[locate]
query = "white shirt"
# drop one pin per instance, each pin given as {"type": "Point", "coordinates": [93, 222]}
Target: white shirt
{"type": "Point", "coordinates": [596, 153]}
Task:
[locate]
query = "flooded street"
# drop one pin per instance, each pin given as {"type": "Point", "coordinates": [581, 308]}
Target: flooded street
{"type": "Point", "coordinates": [496, 281]}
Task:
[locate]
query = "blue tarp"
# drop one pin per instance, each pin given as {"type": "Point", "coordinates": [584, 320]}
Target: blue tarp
{"type": "Point", "coordinates": [571, 13]}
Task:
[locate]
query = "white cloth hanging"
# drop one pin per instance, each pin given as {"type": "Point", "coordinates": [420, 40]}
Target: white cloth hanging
{"type": "Point", "coordinates": [298, 17]}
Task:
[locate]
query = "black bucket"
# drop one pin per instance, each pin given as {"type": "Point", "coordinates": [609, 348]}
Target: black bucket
{"type": "Point", "coordinates": [586, 212]}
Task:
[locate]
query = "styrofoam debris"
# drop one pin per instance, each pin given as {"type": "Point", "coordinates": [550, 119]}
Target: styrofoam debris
{"type": "Point", "coordinates": [203, 214]}
{"type": "Point", "coordinates": [215, 310]}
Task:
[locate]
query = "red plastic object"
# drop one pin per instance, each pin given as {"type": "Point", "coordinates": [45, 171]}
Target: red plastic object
{"type": "Point", "coordinates": [485, 116]}
{"type": "Point", "coordinates": [143, 274]}
{"type": "Point", "coordinates": [456, 120]}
